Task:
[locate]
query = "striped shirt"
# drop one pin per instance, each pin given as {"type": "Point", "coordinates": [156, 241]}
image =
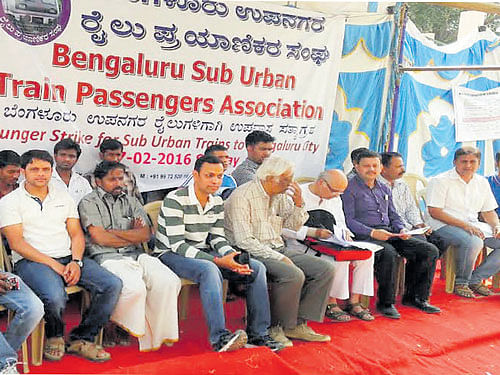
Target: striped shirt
{"type": "Point", "coordinates": [184, 225]}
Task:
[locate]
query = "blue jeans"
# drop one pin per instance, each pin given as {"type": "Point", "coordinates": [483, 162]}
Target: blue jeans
{"type": "Point", "coordinates": [209, 278]}
{"type": "Point", "coordinates": [468, 247]}
{"type": "Point", "coordinates": [103, 286]}
{"type": "Point", "coordinates": [28, 311]}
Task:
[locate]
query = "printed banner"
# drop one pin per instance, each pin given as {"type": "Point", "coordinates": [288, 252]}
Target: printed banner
{"type": "Point", "coordinates": [477, 114]}
{"type": "Point", "coordinates": [168, 79]}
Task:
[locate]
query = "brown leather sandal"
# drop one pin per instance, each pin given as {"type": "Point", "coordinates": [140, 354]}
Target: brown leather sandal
{"type": "Point", "coordinates": [336, 315]}
{"type": "Point", "coordinates": [53, 349]}
{"type": "Point", "coordinates": [363, 314]}
{"type": "Point", "coordinates": [88, 350]}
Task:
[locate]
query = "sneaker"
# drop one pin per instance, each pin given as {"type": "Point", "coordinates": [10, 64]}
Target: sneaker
{"type": "Point", "coordinates": [266, 340]}
{"type": "Point", "coordinates": [278, 335]}
{"type": "Point", "coordinates": [303, 332]}
{"type": "Point", "coordinates": [9, 368]}
{"type": "Point", "coordinates": [480, 289]}
{"type": "Point", "coordinates": [230, 341]}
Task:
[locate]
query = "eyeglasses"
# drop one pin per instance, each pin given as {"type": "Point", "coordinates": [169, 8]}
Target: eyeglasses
{"type": "Point", "coordinates": [332, 190]}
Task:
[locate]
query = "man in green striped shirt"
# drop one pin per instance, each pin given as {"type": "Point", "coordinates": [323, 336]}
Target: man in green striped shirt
{"type": "Point", "coordinates": [190, 240]}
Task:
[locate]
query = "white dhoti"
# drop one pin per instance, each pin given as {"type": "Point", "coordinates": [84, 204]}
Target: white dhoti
{"type": "Point", "coordinates": [147, 307]}
{"type": "Point", "coordinates": [362, 277]}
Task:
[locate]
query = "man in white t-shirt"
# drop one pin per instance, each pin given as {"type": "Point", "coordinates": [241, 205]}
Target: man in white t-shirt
{"type": "Point", "coordinates": [66, 154]}
{"type": "Point", "coordinates": [455, 200]}
{"type": "Point", "coordinates": [43, 228]}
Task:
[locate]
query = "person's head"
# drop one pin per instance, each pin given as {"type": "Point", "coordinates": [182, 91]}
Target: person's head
{"type": "Point", "coordinates": [10, 167]}
{"type": "Point", "coordinates": [66, 153]}
{"type": "Point", "coordinates": [207, 174]}
{"type": "Point", "coordinates": [466, 161]}
{"type": "Point", "coordinates": [275, 174]}
{"type": "Point", "coordinates": [368, 166]}
{"type": "Point", "coordinates": [259, 145]}
{"type": "Point", "coordinates": [330, 184]}
{"type": "Point", "coordinates": [393, 166]}
{"type": "Point", "coordinates": [111, 150]}
{"type": "Point", "coordinates": [36, 166]}
{"type": "Point", "coordinates": [355, 153]}
{"type": "Point", "coordinates": [220, 152]}
{"type": "Point", "coordinates": [109, 177]}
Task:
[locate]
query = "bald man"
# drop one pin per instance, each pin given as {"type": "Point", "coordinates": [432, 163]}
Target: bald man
{"type": "Point", "coordinates": [324, 195]}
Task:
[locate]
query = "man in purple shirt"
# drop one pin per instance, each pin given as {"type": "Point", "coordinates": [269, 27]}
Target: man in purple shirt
{"type": "Point", "coordinates": [371, 216]}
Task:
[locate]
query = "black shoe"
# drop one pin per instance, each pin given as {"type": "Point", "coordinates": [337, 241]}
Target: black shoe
{"type": "Point", "coordinates": [266, 340]}
{"type": "Point", "coordinates": [421, 304]}
{"type": "Point", "coordinates": [230, 341]}
{"type": "Point", "coordinates": [388, 311]}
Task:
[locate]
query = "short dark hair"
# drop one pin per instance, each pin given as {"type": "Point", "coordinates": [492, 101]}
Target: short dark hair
{"type": "Point", "coordinates": [68, 144]}
{"type": "Point", "coordinates": [356, 152]}
{"type": "Point", "coordinates": [110, 144]}
{"type": "Point", "coordinates": [258, 136]}
{"type": "Point", "coordinates": [9, 157]}
{"type": "Point", "coordinates": [104, 167]}
{"type": "Point", "coordinates": [467, 150]}
{"type": "Point", "coordinates": [28, 157]}
{"type": "Point", "coordinates": [367, 154]}
{"type": "Point", "coordinates": [388, 156]}
{"type": "Point", "coordinates": [497, 157]}
{"type": "Point", "coordinates": [210, 159]}
{"type": "Point", "coordinates": [213, 148]}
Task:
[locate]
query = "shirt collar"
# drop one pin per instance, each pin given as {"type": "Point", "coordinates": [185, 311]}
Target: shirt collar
{"type": "Point", "coordinates": [50, 186]}
{"type": "Point", "coordinates": [252, 163]}
{"type": "Point", "coordinates": [194, 200]}
{"type": "Point", "coordinates": [454, 174]}
{"type": "Point", "coordinates": [388, 183]}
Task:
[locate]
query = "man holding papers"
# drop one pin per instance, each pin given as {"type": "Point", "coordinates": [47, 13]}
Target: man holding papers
{"type": "Point", "coordinates": [371, 216]}
{"type": "Point", "coordinates": [322, 201]}
{"type": "Point", "coordinates": [455, 200]}
{"type": "Point", "coordinates": [393, 170]}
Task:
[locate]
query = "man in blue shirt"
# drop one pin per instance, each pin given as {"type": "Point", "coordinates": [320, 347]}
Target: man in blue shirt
{"type": "Point", "coordinates": [494, 181]}
{"type": "Point", "coordinates": [371, 216]}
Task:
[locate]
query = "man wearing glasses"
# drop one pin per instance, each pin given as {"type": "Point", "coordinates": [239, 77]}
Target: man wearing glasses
{"type": "Point", "coordinates": [322, 201]}
{"type": "Point", "coordinates": [256, 214]}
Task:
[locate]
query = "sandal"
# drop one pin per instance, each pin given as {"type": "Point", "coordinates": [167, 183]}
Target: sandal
{"type": "Point", "coordinates": [363, 314]}
{"type": "Point", "coordinates": [463, 291]}
{"type": "Point", "coordinates": [336, 315]}
{"type": "Point", "coordinates": [53, 349]}
{"type": "Point", "coordinates": [88, 350]}
{"type": "Point", "coordinates": [480, 289]}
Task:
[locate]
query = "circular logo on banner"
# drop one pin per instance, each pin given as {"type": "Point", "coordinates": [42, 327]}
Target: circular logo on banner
{"type": "Point", "coordinates": [34, 22]}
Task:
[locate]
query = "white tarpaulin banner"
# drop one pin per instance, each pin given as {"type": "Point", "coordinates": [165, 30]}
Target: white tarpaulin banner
{"type": "Point", "coordinates": [477, 114]}
{"type": "Point", "coordinates": [167, 78]}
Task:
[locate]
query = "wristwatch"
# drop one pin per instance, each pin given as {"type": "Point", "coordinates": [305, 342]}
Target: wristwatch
{"type": "Point", "coordinates": [78, 262]}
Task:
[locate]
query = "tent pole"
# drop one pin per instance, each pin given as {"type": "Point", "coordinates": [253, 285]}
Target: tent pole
{"type": "Point", "coordinates": [403, 17]}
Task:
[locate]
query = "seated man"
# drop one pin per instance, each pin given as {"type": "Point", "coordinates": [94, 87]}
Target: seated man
{"type": "Point", "coordinates": [494, 181]}
{"type": "Point", "coordinates": [43, 229]}
{"type": "Point", "coordinates": [392, 172]}
{"type": "Point", "coordinates": [228, 183]}
{"type": "Point", "coordinates": [10, 167]}
{"type": "Point", "coordinates": [66, 154]}
{"type": "Point", "coordinates": [116, 226]}
{"type": "Point", "coordinates": [28, 311]}
{"type": "Point", "coordinates": [455, 199]}
{"type": "Point", "coordinates": [256, 213]}
{"type": "Point", "coordinates": [370, 215]}
{"type": "Point", "coordinates": [112, 150]}
{"type": "Point", "coordinates": [324, 194]}
{"type": "Point", "coordinates": [259, 146]}
{"type": "Point", "coordinates": [190, 240]}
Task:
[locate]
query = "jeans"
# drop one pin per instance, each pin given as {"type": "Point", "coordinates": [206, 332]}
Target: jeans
{"type": "Point", "coordinates": [103, 286]}
{"type": "Point", "coordinates": [28, 311]}
{"type": "Point", "coordinates": [468, 247]}
{"type": "Point", "coordinates": [209, 278]}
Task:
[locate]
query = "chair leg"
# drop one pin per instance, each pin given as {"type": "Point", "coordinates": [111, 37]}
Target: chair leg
{"type": "Point", "coordinates": [225, 287]}
{"type": "Point", "coordinates": [450, 269]}
{"type": "Point", "coordinates": [184, 301]}
{"type": "Point", "coordinates": [400, 276]}
{"type": "Point", "coordinates": [24, 349]}
{"type": "Point", "coordinates": [99, 338]}
{"type": "Point", "coordinates": [37, 338]}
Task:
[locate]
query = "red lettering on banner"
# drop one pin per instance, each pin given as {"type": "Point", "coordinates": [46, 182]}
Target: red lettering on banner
{"type": "Point", "coordinates": [211, 74]}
